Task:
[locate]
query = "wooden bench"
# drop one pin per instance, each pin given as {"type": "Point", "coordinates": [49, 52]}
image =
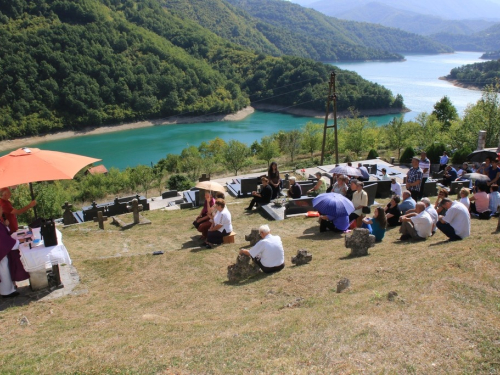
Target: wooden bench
{"type": "Point", "coordinates": [229, 238]}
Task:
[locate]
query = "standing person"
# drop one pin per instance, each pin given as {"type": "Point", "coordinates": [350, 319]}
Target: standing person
{"type": "Point", "coordinates": [414, 178]}
{"type": "Point", "coordinates": [416, 225]}
{"type": "Point", "coordinates": [443, 161]}
{"type": "Point", "coordinates": [221, 226]}
{"type": "Point", "coordinates": [203, 216]}
{"type": "Point", "coordinates": [295, 190]}
{"type": "Point", "coordinates": [494, 173]}
{"type": "Point", "coordinates": [456, 223]}
{"type": "Point", "coordinates": [273, 176]}
{"type": "Point", "coordinates": [425, 165]}
{"type": "Point", "coordinates": [264, 197]}
{"type": "Point", "coordinates": [268, 253]}
{"type": "Point", "coordinates": [10, 212]}
{"type": "Point", "coordinates": [7, 244]}
{"type": "Point", "coordinates": [377, 225]}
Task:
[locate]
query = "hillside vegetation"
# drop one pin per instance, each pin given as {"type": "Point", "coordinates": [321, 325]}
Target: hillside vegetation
{"type": "Point", "coordinates": [292, 27]}
{"type": "Point", "coordinates": [70, 65]}
{"type": "Point", "coordinates": [486, 40]}
{"type": "Point", "coordinates": [478, 75]}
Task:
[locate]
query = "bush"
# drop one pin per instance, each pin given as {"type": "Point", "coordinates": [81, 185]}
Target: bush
{"type": "Point", "coordinates": [373, 154]}
{"type": "Point", "coordinates": [460, 156]}
{"type": "Point", "coordinates": [408, 153]}
{"type": "Point", "coordinates": [179, 182]}
{"type": "Point", "coordinates": [435, 151]}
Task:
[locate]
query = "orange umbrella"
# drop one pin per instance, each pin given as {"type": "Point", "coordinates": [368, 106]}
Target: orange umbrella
{"type": "Point", "coordinates": [27, 165]}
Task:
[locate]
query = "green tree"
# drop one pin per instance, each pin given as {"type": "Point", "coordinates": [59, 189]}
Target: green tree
{"type": "Point", "coordinates": [269, 149]}
{"type": "Point", "coordinates": [397, 133]}
{"type": "Point", "coordinates": [312, 137]}
{"type": "Point", "coordinates": [236, 156]}
{"type": "Point", "coordinates": [142, 175]}
{"type": "Point", "coordinates": [357, 133]}
{"type": "Point", "coordinates": [191, 162]}
{"type": "Point", "coordinates": [445, 112]}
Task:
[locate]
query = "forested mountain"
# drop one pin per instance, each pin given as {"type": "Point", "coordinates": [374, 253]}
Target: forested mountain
{"type": "Point", "coordinates": [448, 9]}
{"type": "Point", "coordinates": [292, 27]}
{"type": "Point", "coordinates": [70, 64]}
{"type": "Point", "coordinates": [490, 55]}
{"type": "Point", "coordinates": [423, 24]}
{"type": "Point", "coordinates": [478, 74]}
{"type": "Point", "coordinates": [486, 40]}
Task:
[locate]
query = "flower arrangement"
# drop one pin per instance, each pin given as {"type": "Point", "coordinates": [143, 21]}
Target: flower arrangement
{"type": "Point", "coordinates": [280, 201]}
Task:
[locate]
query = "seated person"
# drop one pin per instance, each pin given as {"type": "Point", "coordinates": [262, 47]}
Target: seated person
{"type": "Point", "coordinates": [221, 225]}
{"type": "Point", "coordinates": [203, 216]}
{"type": "Point", "coordinates": [462, 171]}
{"type": "Point", "coordinates": [416, 225]}
{"type": "Point", "coordinates": [494, 200]}
{"type": "Point", "coordinates": [365, 176]}
{"type": "Point", "coordinates": [264, 197]}
{"type": "Point", "coordinates": [351, 188]}
{"type": "Point", "coordinates": [450, 174]}
{"type": "Point", "coordinates": [494, 173]}
{"type": "Point", "coordinates": [377, 225]}
{"type": "Point", "coordinates": [480, 203]}
{"type": "Point", "coordinates": [295, 190]}
{"type": "Point", "coordinates": [432, 212]}
{"type": "Point", "coordinates": [456, 223]}
{"type": "Point", "coordinates": [268, 253]}
{"type": "Point", "coordinates": [340, 187]}
{"type": "Point", "coordinates": [339, 223]}
{"type": "Point", "coordinates": [408, 202]}
{"type": "Point", "coordinates": [437, 205]}
{"type": "Point", "coordinates": [320, 187]}
{"type": "Point", "coordinates": [464, 197]}
{"type": "Point", "coordinates": [384, 176]}
{"type": "Point", "coordinates": [359, 201]}
{"type": "Point", "coordinates": [396, 187]}
{"type": "Point", "coordinates": [393, 212]}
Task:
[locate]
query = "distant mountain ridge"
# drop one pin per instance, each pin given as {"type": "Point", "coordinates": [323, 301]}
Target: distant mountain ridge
{"type": "Point", "coordinates": [376, 12]}
{"type": "Point", "coordinates": [486, 40]}
{"type": "Point", "coordinates": [291, 27]}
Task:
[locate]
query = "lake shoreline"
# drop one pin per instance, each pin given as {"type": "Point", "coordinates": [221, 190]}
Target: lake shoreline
{"type": "Point", "coordinates": [175, 120]}
{"type": "Point", "coordinates": [462, 85]}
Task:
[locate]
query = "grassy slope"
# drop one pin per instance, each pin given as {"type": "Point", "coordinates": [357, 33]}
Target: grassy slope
{"type": "Point", "coordinates": [176, 313]}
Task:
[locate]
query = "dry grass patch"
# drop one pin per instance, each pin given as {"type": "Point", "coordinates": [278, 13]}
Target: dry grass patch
{"type": "Point", "coordinates": [176, 313]}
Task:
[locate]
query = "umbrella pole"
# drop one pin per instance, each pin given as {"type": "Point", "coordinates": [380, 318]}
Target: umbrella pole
{"type": "Point", "coordinates": [33, 198]}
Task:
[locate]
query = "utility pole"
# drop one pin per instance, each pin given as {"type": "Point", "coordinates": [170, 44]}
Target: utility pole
{"type": "Point", "coordinates": [332, 97]}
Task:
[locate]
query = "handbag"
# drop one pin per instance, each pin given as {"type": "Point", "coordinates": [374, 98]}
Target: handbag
{"type": "Point", "coordinates": [48, 230]}
{"type": "Point", "coordinates": [366, 210]}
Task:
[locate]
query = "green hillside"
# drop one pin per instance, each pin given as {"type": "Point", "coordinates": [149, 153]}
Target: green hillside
{"type": "Point", "coordinates": [72, 64]}
{"type": "Point", "coordinates": [312, 30]}
{"type": "Point", "coordinates": [478, 74]}
{"type": "Point", "coordinates": [486, 40]}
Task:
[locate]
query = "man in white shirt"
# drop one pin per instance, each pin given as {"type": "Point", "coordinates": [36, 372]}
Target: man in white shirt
{"type": "Point", "coordinates": [396, 187]}
{"type": "Point", "coordinates": [416, 225]}
{"type": "Point", "coordinates": [456, 223]}
{"type": "Point", "coordinates": [268, 253]}
{"type": "Point", "coordinates": [432, 212]}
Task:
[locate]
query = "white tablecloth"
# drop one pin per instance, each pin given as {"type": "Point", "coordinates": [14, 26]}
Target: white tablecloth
{"type": "Point", "coordinates": [41, 257]}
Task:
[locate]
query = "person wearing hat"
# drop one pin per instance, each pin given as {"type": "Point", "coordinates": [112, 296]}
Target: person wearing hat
{"type": "Point", "coordinates": [295, 190]}
{"type": "Point", "coordinates": [414, 178]}
{"type": "Point", "coordinates": [396, 187]}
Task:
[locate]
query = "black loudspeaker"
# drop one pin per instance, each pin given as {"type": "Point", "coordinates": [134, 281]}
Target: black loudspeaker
{"type": "Point", "coordinates": [48, 231]}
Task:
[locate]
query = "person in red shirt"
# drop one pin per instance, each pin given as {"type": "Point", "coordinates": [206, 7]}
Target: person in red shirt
{"type": "Point", "coordinates": [9, 212]}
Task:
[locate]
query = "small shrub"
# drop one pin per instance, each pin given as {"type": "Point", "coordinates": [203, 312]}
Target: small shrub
{"type": "Point", "coordinates": [408, 153]}
{"type": "Point", "coordinates": [460, 156]}
{"type": "Point", "coordinates": [435, 151]}
{"type": "Point", "coordinates": [373, 154]}
{"type": "Point", "coordinates": [179, 182]}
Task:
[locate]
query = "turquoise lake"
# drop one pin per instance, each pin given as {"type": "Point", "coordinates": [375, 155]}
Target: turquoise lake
{"type": "Point", "coordinates": [416, 79]}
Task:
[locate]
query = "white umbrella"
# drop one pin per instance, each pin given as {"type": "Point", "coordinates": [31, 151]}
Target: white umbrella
{"type": "Point", "coordinates": [349, 171]}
